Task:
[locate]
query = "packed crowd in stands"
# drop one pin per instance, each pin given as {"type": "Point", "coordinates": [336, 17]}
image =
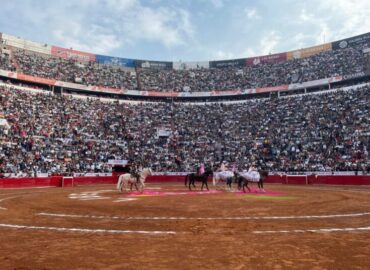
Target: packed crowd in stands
{"type": "Point", "coordinates": [326, 64]}
{"type": "Point", "coordinates": [323, 65]}
{"type": "Point", "coordinates": [5, 62]}
{"type": "Point", "coordinates": [71, 71]}
{"type": "Point", "coordinates": [61, 134]}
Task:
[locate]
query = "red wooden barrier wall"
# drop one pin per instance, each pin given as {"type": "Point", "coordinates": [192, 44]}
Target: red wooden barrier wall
{"type": "Point", "coordinates": [56, 181]}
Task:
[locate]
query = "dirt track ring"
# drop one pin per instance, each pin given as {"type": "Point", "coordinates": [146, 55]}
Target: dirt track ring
{"type": "Point", "coordinates": [110, 224]}
{"type": "Point", "coordinates": [111, 196]}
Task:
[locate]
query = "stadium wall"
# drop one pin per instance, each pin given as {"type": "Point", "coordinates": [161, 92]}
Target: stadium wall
{"type": "Point", "coordinates": [56, 181]}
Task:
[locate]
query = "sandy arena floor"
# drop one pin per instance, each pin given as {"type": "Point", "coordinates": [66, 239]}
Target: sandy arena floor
{"type": "Point", "coordinates": [95, 227]}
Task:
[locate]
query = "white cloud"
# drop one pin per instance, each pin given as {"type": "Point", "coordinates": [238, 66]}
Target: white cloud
{"type": "Point", "coordinates": [251, 13]}
{"type": "Point", "coordinates": [351, 15]}
{"type": "Point", "coordinates": [306, 17]}
{"type": "Point", "coordinates": [217, 3]}
{"type": "Point", "coordinates": [121, 5]}
{"type": "Point", "coordinates": [94, 39]}
{"type": "Point", "coordinates": [221, 55]}
{"type": "Point", "coordinates": [336, 19]}
{"type": "Point", "coordinates": [167, 26]}
{"type": "Point", "coordinates": [269, 42]}
{"type": "Point", "coordinates": [102, 26]}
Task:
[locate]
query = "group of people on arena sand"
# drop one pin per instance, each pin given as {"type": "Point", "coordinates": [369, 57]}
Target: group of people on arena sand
{"type": "Point", "coordinates": [224, 167]}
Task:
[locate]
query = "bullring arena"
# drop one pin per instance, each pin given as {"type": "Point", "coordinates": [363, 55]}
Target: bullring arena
{"type": "Point", "coordinates": [71, 122]}
{"type": "Point", "coordinates": [90, 226]}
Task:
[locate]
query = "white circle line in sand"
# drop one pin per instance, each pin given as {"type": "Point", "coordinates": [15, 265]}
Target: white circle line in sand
{"type": "Point", "coordinates": [324, 230]}
{"type": "Point", "coordinates": [126, 200]}
{"type": "Point", "coordinates": [207, 218]}
{"type": "Point", "coordinates": [8, 198]}
{"type": "Point", "coordinates": [83, 230]}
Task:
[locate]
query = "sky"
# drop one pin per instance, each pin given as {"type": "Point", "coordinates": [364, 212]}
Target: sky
{"type": "Point", "coordinates": [184, 30]}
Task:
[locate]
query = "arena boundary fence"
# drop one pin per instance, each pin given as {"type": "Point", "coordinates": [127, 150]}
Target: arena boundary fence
{"type": "Point", "coordinates": [60, 181]}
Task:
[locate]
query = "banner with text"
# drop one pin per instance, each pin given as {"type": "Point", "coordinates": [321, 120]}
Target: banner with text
{"type": "Point", "coordinates": [190, 65]}
{"type": "Point", "coordinates": [228, 63]}
{"type": "Point", "coordinates": [122, 162]}
{"type": "Point", "coordinates": [226, 93]}
{"type": "Point", "coordinates": [307, 52]}
{"type": "Point", "coordinates": [351, 42]}
{"type": "Point", "coordinates": [153, 64]}
{"type": "Point", "coordinates": [315, 83]}
{"type": "Point", "coordinates": [357, 75]}
{"type": "Point", "coordinates": [73, 54]}
{"type": "Point", "coordinates": [271, 59]}
{"type": "Point", "coordinates": [33, 79]}
{"type": "Point", "coordinates": [116, 61]}
{"type": "Point", "coordinates": [272, 89]}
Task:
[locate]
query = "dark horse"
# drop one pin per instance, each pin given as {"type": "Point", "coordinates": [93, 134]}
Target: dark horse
{"type": "Point", "coordinates": [243, 181]}
{"type": "Point", "coordinates": [192, 177]}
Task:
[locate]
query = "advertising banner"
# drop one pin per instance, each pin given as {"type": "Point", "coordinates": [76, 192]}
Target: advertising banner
{"type": "Point", "coordinates": [190, 65]}
{"type": "Point", "coordinates": [272, 89]}
{"type": "Point", "coordinates": [248, 91]}
{"type": "Point", "coordinates": [227, 63]}
{"type": "Point", "coordinates": [71, 85]}
{"type": "Point", "coordinates": [107, 89]}
{"type": "Point", "coordinates": [307, 52]}
{"type": "Point", "coordinates": [33, 79]}
{"type": "Point", "coordinates": [226, 93]}
{"type": "Point", "coordinates": [73, 54]}
{"type": "Point", "coordinates": [356, 75]}
{"type": "Point", "coordinates": [153, 64]}
{"type": "Point", "coordinates": [160, 94]}
{"type": "Point", "coordinates": [195, 94]}
{"type": "Point", "coordinates": [271, 59]}
{"type": "Point", "coordinates": [8, 74]}
{"type": "Point", "coordinates": [314, 83]}
{"type": "Point", "coordinates": [116, 61]}
{"type": "Point", "coordinates": [351, 42]}
{"type": "Point", "coordinates": [121, 162]}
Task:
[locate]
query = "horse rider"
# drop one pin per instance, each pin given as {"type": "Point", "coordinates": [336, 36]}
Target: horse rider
{"type": "Point", "coordinates": [253, 168]}
{"type": "Point", "coordinates": [134, 170]}
{"type": "Point", "coordinates": [200, 170]}
{"type": "Point", "coordinates": [223, 166]}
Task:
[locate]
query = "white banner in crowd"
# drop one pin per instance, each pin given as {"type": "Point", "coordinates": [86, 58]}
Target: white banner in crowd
{"type": "Point", "coordinates": [117, 162]}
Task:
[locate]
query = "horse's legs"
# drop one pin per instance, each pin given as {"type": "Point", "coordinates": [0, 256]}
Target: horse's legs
{"type": "Point", "coordinates": [206, 185]}
{"type": "Point", "coordinates": [260, 185]}
{"type": "Point", "coordinates": [246, 184]}
{"type": "Point", "coordinates": [142, 187]}
{"type": "Point", "coordinates": [119, 185]}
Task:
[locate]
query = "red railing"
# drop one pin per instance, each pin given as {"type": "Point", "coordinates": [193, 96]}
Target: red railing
{"type": "Point", "coordinates": [56, 181]}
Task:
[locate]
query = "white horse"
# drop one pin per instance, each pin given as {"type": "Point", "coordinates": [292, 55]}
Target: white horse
{"type": "Point", "coordinates": [226, 176]}
{"type": "Point", "coordinates": [251, 176]}
{"type": "Point", "coordinates": [125, 179]}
